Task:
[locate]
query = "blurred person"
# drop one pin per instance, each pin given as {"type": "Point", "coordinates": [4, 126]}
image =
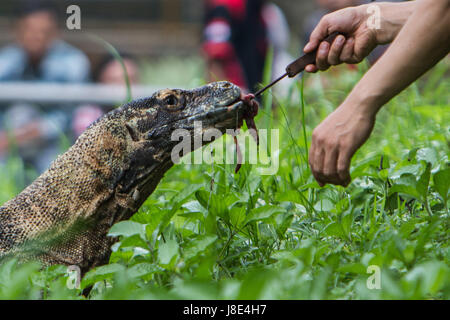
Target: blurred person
{"type": "Point", "coordinates": [31, 130]}
{"type": "Point", "coordinates": [419, 33]}
{"type": "Point", "coordinates": [237, 36]}
{"type": "Point", "coordinates": [108, 72]}
{"type": "Point", "coordinates": [33, 133]}
{"type": "Point", "coordinates": [38, 55]}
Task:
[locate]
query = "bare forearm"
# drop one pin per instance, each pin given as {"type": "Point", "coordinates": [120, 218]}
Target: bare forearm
{"type": "Point", "coordinates": [421, 43]}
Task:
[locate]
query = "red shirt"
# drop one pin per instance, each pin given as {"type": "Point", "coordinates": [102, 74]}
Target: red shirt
{"type": "Point", "coordinates": [235, 34]}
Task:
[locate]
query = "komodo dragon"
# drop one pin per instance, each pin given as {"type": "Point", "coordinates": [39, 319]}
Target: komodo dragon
{"type": "Point", "coordinates": [64, 216]}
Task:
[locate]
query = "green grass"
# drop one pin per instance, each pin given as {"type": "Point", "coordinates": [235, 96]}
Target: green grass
{"type": "Point", "coordinates": [207, 233]}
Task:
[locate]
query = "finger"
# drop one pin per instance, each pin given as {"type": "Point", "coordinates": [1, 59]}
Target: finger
{"type": "Point", "coordinates": [319, 33]}
{"type": "Point", "coordinates": [335, 50]}
{"type": "Point", "coordinates": [311, 68]}
{"type": "Point", "coordinates": [318, 166]}
{"type": "Point", "coordinates": [322, 56]}
{"type": "Point", "coordinates": [309, 47]}
{"type": "Point", "coordinates": [343, 167]}
{"type": "Point", "coordinates": [313, 163]}
{"type": "Point", "coordinates": [347, 50]}
{"type": "Point", "coordinates": [319, 178]}
{"type": "Point", "coordinates": [330, 166]}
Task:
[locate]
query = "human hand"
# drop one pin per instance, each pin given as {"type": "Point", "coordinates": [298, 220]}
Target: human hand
{"type": "Point", "coordinates": [335, 141]}
{"type": "Point", "coordinates": [359, 41]}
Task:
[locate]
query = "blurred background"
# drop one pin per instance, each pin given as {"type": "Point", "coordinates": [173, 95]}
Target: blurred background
{"type": "Point", "coordinates": [54, 81]}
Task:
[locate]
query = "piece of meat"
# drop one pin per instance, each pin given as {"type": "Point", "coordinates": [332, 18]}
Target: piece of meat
{"type": "Point", "coordinates": [249, 117]}
{"type": "Point", "coordinates": [250, 114]}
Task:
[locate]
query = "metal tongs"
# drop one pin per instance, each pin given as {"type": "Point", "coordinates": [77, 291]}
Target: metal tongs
{"type": "Point", "coordinates": [299, 65]}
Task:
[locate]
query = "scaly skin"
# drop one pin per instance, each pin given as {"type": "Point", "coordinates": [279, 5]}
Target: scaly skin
{"type": "Point", "coordinates": [64, 216]}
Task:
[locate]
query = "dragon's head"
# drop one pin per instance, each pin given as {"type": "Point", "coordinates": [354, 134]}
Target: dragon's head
{"type": "Point", "coordinates": [161, 121]}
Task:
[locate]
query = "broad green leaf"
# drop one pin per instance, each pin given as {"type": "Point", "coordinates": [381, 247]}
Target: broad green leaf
{"type": "Point", "coordinates": [442, 183]}
{"type": "Point", "coordinates": [424, 181]}
{"type": "Point", "coordinates": [237, 216]}
{"type": "Point", "coordinates": [254, 285]}
{"type": "Point", "coordinates": [157, 215]}
{"type": "Point", "coordinates": [284, 221]}
{"type": "Point", "coordinates": [347, 221]}
{"type": "Point", "coordinates": [194, 206]}
{"type": "Point", "coordinates": [431, 276]}
{"type": "Point", "coordinates": [428, 155]}
{"type": "Point", "coordinates": [306, 253]}
{"type": "Point", "coordinates": [408, 179]}
{"type": "Point", "coordinates": [167, 252]}
{"type": "Point", "coordinates": [133, 241]}
{"type": "Point", "coordinates": [168, 215]}
{"type": "Point", "coordinates": [127, 229]}
{"type": "Point", "coordinates": [195, 290]}
{"type": "Point", "coordinates": [357, 268]}
{"type": "Point", "coordinates": [413, 170]}
{"type": "Point", "coordinates": [101, 273]}
{"type": "Point", "coordinates": [320, 284]}
{"type": "Point", "coordinates": [198, 246]}
{"type": "Point", "coordinates": [367, 167]}
{"type": "Point", "coordinates": [214, 203]}
{"type": "Point", "coordinates": [143, 269]}
{"type": "Point", "coordinates": [408, 190]}
{"type": "Point", "coordinates": [203, 198]}
{"type": "Point", "coordinates": [185, 193]}
{"type": "Point", "coordinates": [324, 205]}
{"type": "Point", "coordinates": [335, 229]}
{"type": "Point", "coordinates": [263, 213]}
{"type": "Point", "coordinates": [290, 195]}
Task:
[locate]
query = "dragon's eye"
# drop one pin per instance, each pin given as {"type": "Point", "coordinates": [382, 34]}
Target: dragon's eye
{"type": "Point", "coordinates": [171, 100]}
{"type": "Point", "coordinates": [173, 103]}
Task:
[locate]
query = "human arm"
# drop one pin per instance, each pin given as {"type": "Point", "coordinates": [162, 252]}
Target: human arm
{"type": "Point", "coordinates": [420, 44]}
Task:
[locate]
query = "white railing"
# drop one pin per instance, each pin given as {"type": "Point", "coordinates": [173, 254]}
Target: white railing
{"type": "Point", "coordinates": [56, 93]}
